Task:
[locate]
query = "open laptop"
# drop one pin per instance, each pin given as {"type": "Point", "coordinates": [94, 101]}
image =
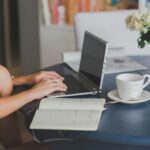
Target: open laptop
{"type": "Point", "coordinates": [89, 79]}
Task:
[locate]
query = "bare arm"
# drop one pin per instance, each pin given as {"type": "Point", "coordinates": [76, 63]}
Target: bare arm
{"type": "Point", "coordinates": [12, 103]}
{"type": "Point", "coordinates": [46, 83]}
{"type": "Point", "coordinates": [36, 77]}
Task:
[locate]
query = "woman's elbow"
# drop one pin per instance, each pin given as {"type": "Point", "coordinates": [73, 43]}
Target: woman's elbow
{"type": "Point", "coordinates": [6, 85]}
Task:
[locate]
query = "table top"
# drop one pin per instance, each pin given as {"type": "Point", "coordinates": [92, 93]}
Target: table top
{"type": "Point", "coordinates": [120, 123]}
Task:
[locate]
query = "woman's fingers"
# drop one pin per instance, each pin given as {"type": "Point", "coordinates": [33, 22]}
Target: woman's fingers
{"type": "Point", "coordinates": [47, 87]}
{"type": "Point", "coordinates": [44, 75]}
{"type": "Point", "coordinates": [57, 84]}
{"type": "Point", "coordinates": [50, 73]}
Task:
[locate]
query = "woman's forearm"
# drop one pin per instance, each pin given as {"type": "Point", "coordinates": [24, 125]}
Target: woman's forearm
{"type": "Point", "coordinates": [36, 77]}
{"type": "Point", "coordinates": [9, 104]}
{"type": "Point", "coordinates": [12, 103]}
{"type": "Point", "coordinates": [19, 80]}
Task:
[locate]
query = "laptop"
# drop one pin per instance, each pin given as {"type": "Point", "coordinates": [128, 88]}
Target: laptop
{"type": "Point", "coordinates": [89, 79]}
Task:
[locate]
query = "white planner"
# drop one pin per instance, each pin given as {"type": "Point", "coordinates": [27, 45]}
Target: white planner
{"type": "Point", "coordinates": [68, 114]}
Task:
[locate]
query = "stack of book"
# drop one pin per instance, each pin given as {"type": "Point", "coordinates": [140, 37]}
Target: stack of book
{"type": "Point", "coordinates": [62, 11]}
{"type": "Point", "coordinates": [74, 6]}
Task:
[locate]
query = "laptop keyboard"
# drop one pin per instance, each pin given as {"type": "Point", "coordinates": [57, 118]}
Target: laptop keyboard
{"type": "Point", "coordinates": [75, 86]}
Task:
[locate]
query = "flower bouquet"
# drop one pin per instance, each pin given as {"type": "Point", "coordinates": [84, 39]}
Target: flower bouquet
{"type": "Point", "coordinates": [140, 21]}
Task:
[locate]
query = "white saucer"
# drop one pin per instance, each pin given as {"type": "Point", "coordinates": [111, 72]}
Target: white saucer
{"type": "Point", "coordinates": [143, 98]}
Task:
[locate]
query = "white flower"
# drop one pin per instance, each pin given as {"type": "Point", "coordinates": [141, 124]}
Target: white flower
{"type": "Point", "coordinates": [147, 20]}
{"type": "Point", "coordinates": [133, 22]}
{"type": "Point", "coordinates": [138, 20]}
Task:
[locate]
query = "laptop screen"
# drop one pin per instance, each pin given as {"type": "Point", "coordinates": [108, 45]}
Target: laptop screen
{"type": "Point", "coordinates": [92, 59]}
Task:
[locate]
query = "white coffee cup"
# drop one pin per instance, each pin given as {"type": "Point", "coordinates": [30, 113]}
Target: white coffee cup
{"type": "Point", "coordinates": [130, 86]}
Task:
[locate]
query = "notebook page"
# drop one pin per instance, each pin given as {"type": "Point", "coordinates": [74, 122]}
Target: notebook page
{"type": "Point", "coordinates": [86, 120]}
{"type": "Point", "coordinates": [72, 103]}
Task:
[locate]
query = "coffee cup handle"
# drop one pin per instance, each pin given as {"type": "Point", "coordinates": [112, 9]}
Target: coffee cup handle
{"type": "Point", "coordinates": [146, 76]}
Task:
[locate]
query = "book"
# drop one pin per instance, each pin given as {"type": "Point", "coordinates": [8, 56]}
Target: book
{"type": "Point", "coordinates": [120, 4]}
{"type": "Point", "coordinates": [84, 5]}
{"type": "Point", "coordinates": [71, 8]}
{"type": "Point", "coordinates": [99, 6]}
{"type": "Point", "coordinates": [68, 114]}
{"type": "Point", "coordinates": [144, 4]}
{"type": "Point", "coordinates": [53, 5]}
{"type": "Point", "coordinates": [46, 12]}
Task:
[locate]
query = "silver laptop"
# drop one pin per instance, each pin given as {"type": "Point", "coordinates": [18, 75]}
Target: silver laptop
{"type": "Point", "coordinates": [89, 79]}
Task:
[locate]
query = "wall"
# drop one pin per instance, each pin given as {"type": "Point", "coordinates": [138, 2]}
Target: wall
{"type": "Point", "coordinates": [54, 41]}
{"type": "Point", "coordinates": [28, 11]}
{"type": "Point", "coordinates": [2, 60]}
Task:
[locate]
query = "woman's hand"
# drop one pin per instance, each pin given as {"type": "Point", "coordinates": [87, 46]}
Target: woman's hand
{"type": "Point", "coordinates": [43, 75]}
{"type": "Point", "coordinates": [46, 87]}
{"type": "Point", "coordinates": [9, 104]}
{"type": "Point", "coordinates": [37, 77]}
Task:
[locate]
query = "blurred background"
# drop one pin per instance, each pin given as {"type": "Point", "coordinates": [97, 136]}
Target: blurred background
{"type": "Point", "coordinates": [34, 33]}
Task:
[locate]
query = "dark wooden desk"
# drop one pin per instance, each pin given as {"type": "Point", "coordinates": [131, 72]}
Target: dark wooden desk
{"type": "Point", "coordinates": [123, 126]}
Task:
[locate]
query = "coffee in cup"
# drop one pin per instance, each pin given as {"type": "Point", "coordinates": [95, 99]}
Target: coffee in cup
{"type": "Point", "coordinates": [130, 86]}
